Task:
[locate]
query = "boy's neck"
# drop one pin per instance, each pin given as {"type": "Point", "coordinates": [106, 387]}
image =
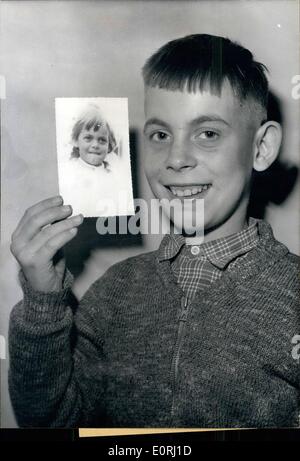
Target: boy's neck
{"type": "Point", "coordinates": [230, 227]}
{"type": "Point", "coordinates": [225, 231]}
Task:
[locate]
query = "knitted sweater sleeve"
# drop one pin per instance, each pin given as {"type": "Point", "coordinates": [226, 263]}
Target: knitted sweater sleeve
{"type": "Point", "coordinates": [56, 352]}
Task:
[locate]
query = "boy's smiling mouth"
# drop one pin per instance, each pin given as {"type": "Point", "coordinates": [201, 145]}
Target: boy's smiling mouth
{"type": "Point", "coordinates": [191, 191]}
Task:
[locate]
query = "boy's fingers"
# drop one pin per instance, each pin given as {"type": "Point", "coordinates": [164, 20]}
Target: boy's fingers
{"type": "Point", "coordinates": [51, 232]}
{"type": "Point", "coordinates": [47, 251]}
{"type": "Point", "coordinates": [36, 222]}
{"type": "Point", "coordinates": [36, 209]}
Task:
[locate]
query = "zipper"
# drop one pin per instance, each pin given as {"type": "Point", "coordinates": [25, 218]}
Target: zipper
{"type": "Point", "coordinates": [175, 360]}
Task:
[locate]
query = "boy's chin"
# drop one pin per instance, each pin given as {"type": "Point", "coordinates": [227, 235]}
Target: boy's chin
{"type": "Point", "coordinates": [188, 229]}
{"type": "Point", "coordinates": [186, 218]}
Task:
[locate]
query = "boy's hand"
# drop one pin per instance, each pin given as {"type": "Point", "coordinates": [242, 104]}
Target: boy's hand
{"type": "Point", "coordinates": [41, 233]}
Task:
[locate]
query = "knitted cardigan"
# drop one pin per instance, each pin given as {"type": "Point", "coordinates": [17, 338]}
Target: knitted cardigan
{"type": "Point", "coordinates": [135, 354]}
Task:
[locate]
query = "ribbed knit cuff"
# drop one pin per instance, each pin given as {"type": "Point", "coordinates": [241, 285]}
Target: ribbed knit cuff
{"type": "Point", "coordinates": [39, 306]}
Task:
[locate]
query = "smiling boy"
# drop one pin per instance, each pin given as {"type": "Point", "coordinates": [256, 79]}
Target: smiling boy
{"type": "Point", "coordinates": [188, 335]}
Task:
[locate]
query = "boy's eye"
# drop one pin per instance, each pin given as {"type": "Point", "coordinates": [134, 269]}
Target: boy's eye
{"type": "Point", "coordinates": [208, 135]}
{"type": "Point", "coordinates": [159, 136]}
{"type": "Point", "coordinates": [87, 138]}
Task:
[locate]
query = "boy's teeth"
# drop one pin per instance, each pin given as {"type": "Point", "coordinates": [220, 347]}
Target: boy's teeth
{"type": "Point", "coordinates": [188, 192]}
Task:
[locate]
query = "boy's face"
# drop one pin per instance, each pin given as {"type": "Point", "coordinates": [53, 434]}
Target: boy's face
{"type": "Point", "coordinates": [93, 145]}
{"type": "Point", "coordinates": [200, 146]}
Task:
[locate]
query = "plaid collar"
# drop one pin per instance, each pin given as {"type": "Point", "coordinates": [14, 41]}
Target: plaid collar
{"type": "Point", "coordinates": [219, 252]}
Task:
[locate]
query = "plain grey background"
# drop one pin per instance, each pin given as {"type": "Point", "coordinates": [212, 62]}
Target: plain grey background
{"type": "Point", "coordinates": [84, 48]}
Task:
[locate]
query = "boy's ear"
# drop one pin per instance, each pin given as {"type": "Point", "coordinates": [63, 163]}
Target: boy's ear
{"type": "Point", "coordinates": [266, 145]}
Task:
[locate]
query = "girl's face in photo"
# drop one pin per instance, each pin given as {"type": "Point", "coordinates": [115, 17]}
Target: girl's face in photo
{"type": "Point", "coordinates": [93, 145]}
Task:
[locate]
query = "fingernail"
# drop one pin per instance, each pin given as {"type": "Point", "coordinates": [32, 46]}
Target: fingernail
{"type": "Point", "coordinates": [78, 219]}
{"type": "Point", "coordinates": [57, 200]}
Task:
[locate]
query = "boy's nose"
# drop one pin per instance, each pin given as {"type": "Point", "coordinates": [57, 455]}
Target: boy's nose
{"type": "Point", "coordinates": [180, 157]}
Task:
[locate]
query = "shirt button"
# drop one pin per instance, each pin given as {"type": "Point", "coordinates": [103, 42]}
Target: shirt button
{"type": "Point", "coordinates": [195, 250]}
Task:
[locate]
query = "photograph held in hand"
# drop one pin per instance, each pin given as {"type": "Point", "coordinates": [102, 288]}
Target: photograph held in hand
{"type": "Point", "coordinates": [93, 155]}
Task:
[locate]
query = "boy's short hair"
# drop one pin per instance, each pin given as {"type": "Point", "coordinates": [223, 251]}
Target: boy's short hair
{"type": "Point", "coordinates": [194, 61]}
